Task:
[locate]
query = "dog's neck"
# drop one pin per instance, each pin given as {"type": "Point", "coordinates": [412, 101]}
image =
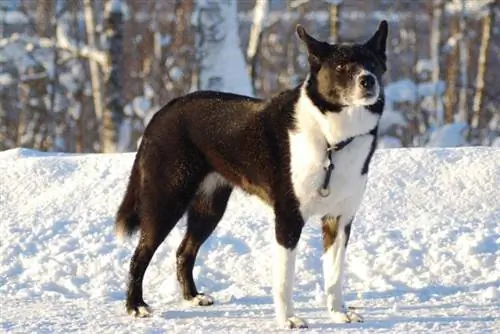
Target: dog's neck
{"type": "Point", "coordinates": [334, 127]}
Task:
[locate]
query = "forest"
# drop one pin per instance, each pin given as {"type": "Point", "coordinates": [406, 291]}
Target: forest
{"type": "Point", "coordinates": [87, 75]}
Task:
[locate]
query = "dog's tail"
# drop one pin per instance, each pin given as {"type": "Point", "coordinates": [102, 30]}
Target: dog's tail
{"type": "Point", "coordinates": [127, 218]}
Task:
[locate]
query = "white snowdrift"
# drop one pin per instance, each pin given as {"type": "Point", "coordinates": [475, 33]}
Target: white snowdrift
{"type": "Point", "coordinates": [423, 257]}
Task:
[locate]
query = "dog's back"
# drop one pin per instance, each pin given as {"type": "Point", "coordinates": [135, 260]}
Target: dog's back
{"type": "Point", "coordinates": [187, 126]}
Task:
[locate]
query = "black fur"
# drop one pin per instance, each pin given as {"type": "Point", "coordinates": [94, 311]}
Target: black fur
{"type": "Point", "coordinates": [373, 145]}
{"type": "Point", "coordinates": [240, 138]}
{"type": "Point", "coordinates": [243, 139]}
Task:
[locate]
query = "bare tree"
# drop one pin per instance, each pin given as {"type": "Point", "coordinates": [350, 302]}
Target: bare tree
{"type": "Point", "coordinates": [222, 62]}
{"type": "Point", "coordinates": [42, 17]}
{"type": "Point", "coordinates": [334, 10]}
{"type": "Point", "coordinates": [450, 99]}
{"type": "Point", "coordinates": [478, 118]}
{"type": "Point", "coordinates": [435, 39]}
{"type": "Point", "coordinates": [95, 74]}
{"type": "Point", "coordinates": [463, 47]}
{"type": "Point", "coordinates": [113, 115]}
{"type": "Point", "coordinates": [259, 15]}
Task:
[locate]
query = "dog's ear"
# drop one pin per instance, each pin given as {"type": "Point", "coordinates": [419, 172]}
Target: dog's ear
{"type": "Point", "coordinates": [315, 48]}
{"type": "Point", "coordinates": [378, 41]}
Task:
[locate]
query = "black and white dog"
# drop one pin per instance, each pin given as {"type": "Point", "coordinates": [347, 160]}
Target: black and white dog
{"type": "Point", "coordinates": [304, 152]}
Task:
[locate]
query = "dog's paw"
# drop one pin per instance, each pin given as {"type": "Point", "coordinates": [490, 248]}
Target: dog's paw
{"type": "Point", "coordinates": [293, 322]}
{"type": "Point", "coordinates": [342, 317]}
{"type": "Point", "coordinates": [140, 311]}
{"type": "Point", "coordinates": [201, 300]}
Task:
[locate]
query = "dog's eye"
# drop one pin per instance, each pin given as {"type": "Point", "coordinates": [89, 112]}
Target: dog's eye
{"type": "Point", "coordinates": [339, 68]}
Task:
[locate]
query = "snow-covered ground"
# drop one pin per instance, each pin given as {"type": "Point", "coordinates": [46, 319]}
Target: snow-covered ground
{"type": "Point", "coordinates": [423, 257]}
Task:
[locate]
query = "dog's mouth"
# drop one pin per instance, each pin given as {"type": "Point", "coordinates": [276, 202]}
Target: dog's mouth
{"type": "Point", "coordinates": [368, 94]}
{"type": "Point", "coordinates": [365, 98]}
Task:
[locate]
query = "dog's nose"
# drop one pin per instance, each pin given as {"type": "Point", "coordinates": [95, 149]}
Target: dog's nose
{"type": "Point", "coordinates": [367, 81]}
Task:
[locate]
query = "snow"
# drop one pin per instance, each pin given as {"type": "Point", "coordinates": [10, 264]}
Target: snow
{"type": "Point", "coordinates": [472, 8]}
{"type": "Point", "coordinates": [423, 256]}
{"type": "Point", "coordinates": [449, 135]}
{"type": "Point", "coordinates": [404, 90]}
{"type": "Point", "coordinates": [6, 79]}
{"type": "Point", "coordinates": [424, 65]}
{"type": "Point", "coordinates": [389, 118]}
{"type": "Point", "coordinates": [389, 142]}
{"type": "Point", "coordinates": [15, 17]}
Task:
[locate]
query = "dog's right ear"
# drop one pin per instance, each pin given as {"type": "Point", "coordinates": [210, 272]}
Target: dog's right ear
{"type": "Point", "coordinates": [315, 48]}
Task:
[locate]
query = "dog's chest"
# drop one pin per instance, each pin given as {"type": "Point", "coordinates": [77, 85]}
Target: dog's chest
{"type": "Point", "coordinates": [347, 183]}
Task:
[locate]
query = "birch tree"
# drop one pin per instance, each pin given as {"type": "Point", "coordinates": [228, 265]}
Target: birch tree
{"type": "Point", "coordinates": [452, 71]}
{"type": "Point", "coordinates": [487, 27]}
{"type": "Point", "coordinates": [435, 39]}
{"type": "Point", "coordinates": [222, 65]}
{"type": "Point", "coordinates": [334, 10]}
{"type": "Point", "coordinates": [95, 74]}
{"type": "Point", "coordinates": [259, 15]}
{"type": "Point", "coordinates": [43, 12]}
{"type": "Point", "coordinates": [464, 80]}
{"type": "Point", "coordinates": [113, 115]}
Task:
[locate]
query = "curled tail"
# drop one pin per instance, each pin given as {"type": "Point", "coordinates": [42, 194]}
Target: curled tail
{"type": "Point", "coordinates": [127, 218]}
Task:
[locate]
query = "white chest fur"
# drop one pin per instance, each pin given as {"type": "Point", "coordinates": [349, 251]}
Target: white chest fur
{"type": "Point", "coordinates": [308, 154]}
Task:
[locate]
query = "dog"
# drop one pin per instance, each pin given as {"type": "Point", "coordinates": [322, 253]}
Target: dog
{"type": "Point", "coordinates": [304, 152]}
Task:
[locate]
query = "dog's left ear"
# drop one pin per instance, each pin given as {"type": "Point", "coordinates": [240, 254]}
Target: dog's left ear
{"type": "Point", "coordinates": [378, 41]}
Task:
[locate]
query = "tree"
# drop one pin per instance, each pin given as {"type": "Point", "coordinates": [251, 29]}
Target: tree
{"type": "Point", "coordinates": [450, 99]}
{"type": "Point", "coordinates": [464, 80]}
{"type": "Point", "coordinates": [435, 39]}
{"type": "Point", "coordinates": [95, 74]}
{"type": "Point", "coordinates": [43, 12]}
{"type": "Point", "coordinates": [478, 117]}
{"type": "Point", "coordinates": [222, 65]}
{"type": "Point", "coordinates": [259, 15]}
{"type": "Point", "coordinates": [113, 115]}
{"type": "Point", "coordinates": [334, 9]}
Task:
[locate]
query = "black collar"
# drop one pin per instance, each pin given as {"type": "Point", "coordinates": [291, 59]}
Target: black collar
{"type": "Point", "coordinates": [324, 191]}
{"type": "Point", "coordinates": [339, 146]}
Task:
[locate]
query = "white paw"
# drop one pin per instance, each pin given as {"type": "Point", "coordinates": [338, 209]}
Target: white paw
{"type": "Point", "coordinates": [201, 300]}
{"type": "Point", "coordinates": [343, 317]}
{"type": "Point", "coordinates": [293, 322]}
{"type": "Point", "coordinates": [141, 312]}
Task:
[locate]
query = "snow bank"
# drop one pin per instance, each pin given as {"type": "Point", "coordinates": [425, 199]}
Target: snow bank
{"type": "Point", "coordinates": [424, 253]}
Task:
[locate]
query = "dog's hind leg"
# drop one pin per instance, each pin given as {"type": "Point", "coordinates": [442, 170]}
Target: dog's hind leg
{"type": "Point", "coordinates": [204, 213]}
{"type": "Point", "coordinates": [155, 226]}
{"type": "Point", "coordinates": [167, 189]}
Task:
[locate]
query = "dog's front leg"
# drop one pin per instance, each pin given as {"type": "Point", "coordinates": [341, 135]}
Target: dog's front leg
{"type": "Point", "coordinates": [336, 232]}
{"type": "Point", "coordinates": [288, 227]}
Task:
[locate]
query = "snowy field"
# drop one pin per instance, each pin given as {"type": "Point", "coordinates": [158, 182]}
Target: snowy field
{"type": "Point", "coordinates": [423, 257]}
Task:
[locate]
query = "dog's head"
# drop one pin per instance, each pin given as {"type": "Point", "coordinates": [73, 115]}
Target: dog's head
{"type": "Point", "coordinates": [346, 74]}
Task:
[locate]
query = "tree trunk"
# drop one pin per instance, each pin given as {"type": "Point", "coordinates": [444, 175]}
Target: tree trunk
{"type": "Point", "coordinates": [435, 47]}
{"type": "Point", "coordinates": [222, 62]}
{"type": "Point", "coordinates": [259, 15]}
{"type": "Point", "coordinates": [450, 99]}
{"type": "Point", "coordinates": [51, 11]}
{"type": "Point", "coordinates": [463, 46]}
{"type": "Point", "coordinates": [113, 115]}
{"type": "Point", "coordinates": [334, 20]}
{"type": "Point", "coordinates": [478, 117]}
{"type": "Point", "coordinates": [95, 75]}
{"type": "Point", "coordinates": [43, 17]}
